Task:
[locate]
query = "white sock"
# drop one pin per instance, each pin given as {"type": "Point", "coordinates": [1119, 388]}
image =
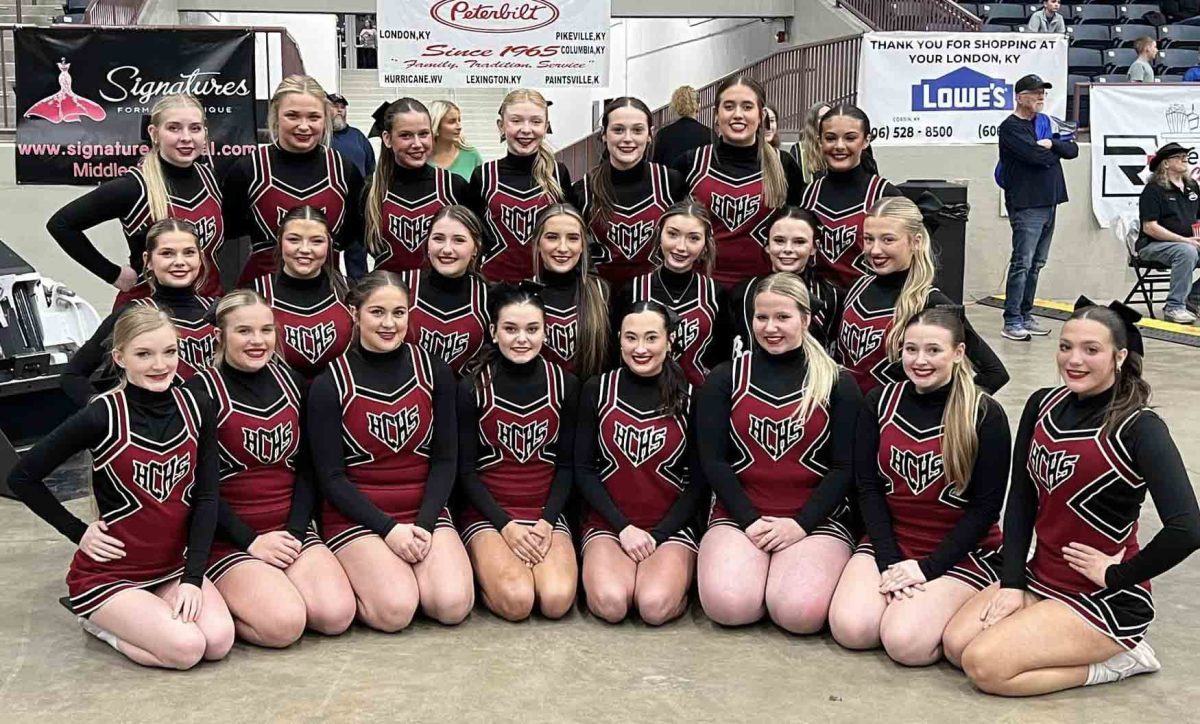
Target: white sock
{"type": "Point", "coordinates": [1139, 660]}
{"type": "Point", "coordinates": [1100, 674]}
{"type": "Point", "coordinates": [107, 637]}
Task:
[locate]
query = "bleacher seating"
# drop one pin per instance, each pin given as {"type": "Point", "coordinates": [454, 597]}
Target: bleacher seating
{"type": "Point", "coordinates": [1180, 36]}
{"type": "Point", "coordinates": [1085, 61]}
{"type": "Point", "coordinates": [1118, 60]}
{"type": "Point", "coordinates": [1170, 78]}
{"type": "Point", "coordinates": [1096, 14]}
{"type": "Point", "coordinates": [1111, 78]}
{"type": "Point", "coordinates": [1010, 15]}
{"type": "Point", "coordinates": [1124, 36]}
{"type": "Point", "coordinates": [1175, 60]}
{"type": "Point", "coordinates": [989, 28]}
{"type": "Point", "coordinates": [1090, 36]}
{"type": "Point", "coordinates": [1138, 11]}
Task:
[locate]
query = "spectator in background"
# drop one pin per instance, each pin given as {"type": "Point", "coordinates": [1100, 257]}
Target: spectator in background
{"type": "Point", "coordinates": [1168, 210]}
{"type": "Point", "coordinates": [1193, 74]}
{"type": "Point", "coordinates": [450, 148]}
{"type": "Point", "coordinates": [351, 143]}
{"type": "Point", "coordinates": [681, 136]}
{"type": "Point", "coordinates": [771, 127]}
{"type": "Point", "coordinates": [1179, 10]}
{"type": "Point", "coordinates": [1032, 178]}
{"type": "Point", "coordinates": [366, 44]}
{"type": "Point", "coordinates": [1142, 70]}
{"type": "Point", "coordinates": [1048, 19]}
{"type": "Point", "coordinates": [807, 151]}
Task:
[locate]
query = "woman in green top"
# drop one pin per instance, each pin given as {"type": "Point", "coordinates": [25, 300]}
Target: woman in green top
{"type": "Point", "coordinates": [450, 150]}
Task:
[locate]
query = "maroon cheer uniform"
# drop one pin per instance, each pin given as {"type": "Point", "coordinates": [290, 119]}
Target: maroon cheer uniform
{"type": "Point", "coordinates": [197, 337]}
{"type": "Point", "coordinates": [313, 325]}
{"type": "Point", "coordinates": [703, 336]}
{"type": "Point", "coordinates": [561, 300]}
{"type": "Point", "coordinates": [406, 214]}
{"type": "Point", "coordinates": [840, 200]}
{"type": "Point", "coordinates": [447, 317]}
{"type": "Point", "coordinates": [826, 301]}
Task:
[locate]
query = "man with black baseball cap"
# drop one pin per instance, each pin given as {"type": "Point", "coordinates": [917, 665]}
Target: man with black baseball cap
{"type": "Point", "coordinates": [1168, 209]}
{"type": "Point", "coordinates": [1031, 175]}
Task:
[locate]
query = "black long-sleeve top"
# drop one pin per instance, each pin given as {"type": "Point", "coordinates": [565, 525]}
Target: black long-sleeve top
{"type": "Point", "coordinates": [826, 299]}
{"type": "Point", "coordinates": [642, 394]}
{"type": "Point", "coordinates": [984, 494]}
{"type": "Point", "coordinates": [516, 172]}
{"type": "Point", "coordinates": [1155, 458]}
{"type": "Point", "coordinates": [423, 192]}
{"type": "Point", "coordinates": [1033, 175]}
{"type": "Point", "coordinates": [777, 375]}
{"type": "Point", "coordinates": [519, 384]}
{"type": "Point", "coordinates": [152, 415]}
{"type": "Point", "coordinates": [382, 372]}
{"type": "Point", "coordinates": [739, 162]}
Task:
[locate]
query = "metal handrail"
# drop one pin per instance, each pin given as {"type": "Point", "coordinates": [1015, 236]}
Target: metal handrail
{"type": "Point", "coordinates": [113, 12]}
{"type": "Point", "coordinates": [922, 15]}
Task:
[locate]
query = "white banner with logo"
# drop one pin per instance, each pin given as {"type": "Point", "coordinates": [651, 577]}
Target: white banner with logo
{"type": "Point", "coordinates": [953, 88]}
{"type": "Point", "coordinates": [472, 43]}
{"type": "Point", "coordinates": [1129, 123]}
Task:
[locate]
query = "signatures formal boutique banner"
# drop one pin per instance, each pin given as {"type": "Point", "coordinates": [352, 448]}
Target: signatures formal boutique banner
{"type": "Point", "coordinates": [83, 96]}
{"type": "Point", "coordinates": [522, 43]}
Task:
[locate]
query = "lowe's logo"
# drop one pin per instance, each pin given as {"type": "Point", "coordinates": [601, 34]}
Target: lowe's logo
{"type": "Point", "coordinates": [964, 89]}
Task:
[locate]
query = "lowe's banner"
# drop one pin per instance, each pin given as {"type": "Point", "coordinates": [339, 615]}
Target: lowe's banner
{"type": "Point", "coordinates": [953, 88]}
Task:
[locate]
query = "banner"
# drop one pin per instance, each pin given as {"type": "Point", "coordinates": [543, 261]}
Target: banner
{"type": "Point", "coordinates": [923, 89]}
{"type": "Point", "coordinates": [1129, 123]}
{"type": "Point", "coordinates": [472, 43]}
{"type": "Point", "coordinates": [83, 96]}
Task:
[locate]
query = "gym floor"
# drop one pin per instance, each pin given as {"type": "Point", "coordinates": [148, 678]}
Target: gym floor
{"type": "Point", "coordinates": [577, 669]}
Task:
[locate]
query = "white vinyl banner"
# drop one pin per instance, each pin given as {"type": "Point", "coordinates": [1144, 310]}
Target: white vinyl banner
{"type": "Point", "coordinates": [1129, 123]}
{"type": "Point", "coordinates": [472, 43]}
{"type": "Point", "coordinates": [953, 88]}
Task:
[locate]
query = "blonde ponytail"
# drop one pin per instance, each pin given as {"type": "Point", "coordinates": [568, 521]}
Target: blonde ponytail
{"type": "Point", "coordinates": [914, 295]}
{"type": "Point", "coordinates": [157, 193]}
{"type": "Point", "coordinates": [822, 372]}
{"type": "Point", "coordinates": [545, 165]}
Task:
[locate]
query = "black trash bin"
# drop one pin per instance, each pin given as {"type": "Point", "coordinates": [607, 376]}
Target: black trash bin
{"type": "Point", "coordinates": [950, 239]}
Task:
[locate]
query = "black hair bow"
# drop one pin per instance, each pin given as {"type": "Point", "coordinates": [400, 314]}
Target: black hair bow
{"type": "Point", "coordinates": [1129, 317]}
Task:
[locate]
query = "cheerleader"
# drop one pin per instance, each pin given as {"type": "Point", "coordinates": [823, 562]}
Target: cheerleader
{"type": "Point", "coordinates": [775, 431]}
{"type": "Point", "coordinates": [308, 295]}
{"type": "Point", "coordinates": [137, 580]}
{"type": "Point", "coordinates": [635, 464]}
{"type": "Point", "coordinates": [450, 148]}
{"type": "Point", "coordinates": [576, 301]}
{"type": "Point", "coordinates": [448, 316]}
{"type": "Point", "coordinates": [273, 571]}
{"type": "Point", "coordinates": [684, 242]}
{"type": "Point", "coordinates": [298, 168]}
{"type": "Point", "coordinates": [168, 183]}
{"type": "Point", "coordinates": [740, 179]}
{"type": "Point", "coordinates": [1084, 458]}
{"type": "Point", "coordinates": [406, 191]}
{"type": "Point", "coordinates": [791, 247]}
{"type": "Point", "coordinates": [879, 306]}
{"type": "Point", "coordinates": [931, 464]}
{"type": "Point", "coordinates": [512, 190]}
{"type": "Point", "coordinates": [516, 421]}
{"type": "Point", "coordinates": [624, 196]}
{"type": "Point", "coordinates": [381, 427]}
{"type": "Point", "coordinates": [842, 196]}
{"type": "Point", "coordinates": [175, 264]}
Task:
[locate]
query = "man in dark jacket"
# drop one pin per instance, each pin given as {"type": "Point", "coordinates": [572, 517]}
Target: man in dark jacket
{"type": "Point", "coordinates": [677, 138]}
{"type": "Point", "coordinates": [1033, 184]}
{"type": "Point", "coordinates": [351, 143]}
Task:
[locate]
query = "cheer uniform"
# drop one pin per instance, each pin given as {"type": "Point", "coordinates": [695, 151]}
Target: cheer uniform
{"type": "Point", "coordinates": [314, 326]}
{"type": "Point", "coordinates": [910, 510]}
{"type": "Point", "coordinates": [728, 181]}
{"type": "Point", "coordinates": [406, 214]}
{"type": "Point", "coordinates": [447, 317]}
{"type": "Point", "coordinates": [635, 463]}
{"type": "Point", "coordinates": [761, 461]}
{"type": "Point", "coordinates": [826, 300]}
{"type": "Point", "coordinates": [515, 447]}
{"type": "Point", "coordinates": [261, 188]}
{"type": "Point", "coordinates": [840, 200]}
{"type": "Point", "coordinates": [197, 343]}
{"type": "Point", "coordinates": [561, 300]}
{"type": "Point", "coordinates": [154, 475]}
{"type": "Point", "coordinates": [1074, 483]}
{"type": "Point", "coordinates": [192, 194]}
{"type": "Point", "coordinates": [258, 433]}
{"type": "Point", "coordinates": [867, 319]}
{"type": "Point", "coordinates": [508, 200]}
{"type": "Point", "coordinates": [640, 197]}
{"type": "Point", "coordinates": [703, 337]}
{"type": "Point", "coordinates": [382, 433]}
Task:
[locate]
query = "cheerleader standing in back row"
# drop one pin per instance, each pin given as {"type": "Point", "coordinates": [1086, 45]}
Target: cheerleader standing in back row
{"type": "Point", "coordinates": [843, 195]}
{"type": "Point", "coordinates": [1085, 456]}
{"type": "Point", "coordinates": [511, 191]}
{"type": "Point", "coordinates": [791, 235]}
{"type": "Point", "coordinates": [636, 465]}
{"type": "Point", "coordinates": [775, 429]}
{"type": "Point", "coordinates": [625, 195]}
{"type": "Point", "coordinates": [137, 580]}
{"type": "Point", "coordinates": [298, 168]}
{"type": "Point", "coordinates": [879, 307]}
{"type": "Point", "coordinates": [174, 262]}
{"type": "Point", "coordinates": [448, 318]}
{"type": "Point", "coordinates": [273, 571]}
{"type": "Point", "coordinates": [684, 241]}
{"type": "Point", "coordinates": [308, 295]}
{"type": "Point", "coordinates": [932, 458]}
{"type": "Point", "coordinates": [517, 414]}
{"type": "Point", "coordinates": [406, 191]}
{"type": "Point", "coordinates": [381, 427]}
{"type": "Point", "coordinates": [167, 184]}
{"type": "Point", "coordinates": [741, 179]}
{"type": "Point", "coordinates": [576, 300]}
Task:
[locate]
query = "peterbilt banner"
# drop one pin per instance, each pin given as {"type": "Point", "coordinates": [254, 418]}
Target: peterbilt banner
{"type": "Point", "coordinates": [953, 88]}
{"type": "Point", "coordinates": [494, 43]}
{"type": "Point", "coordinates": [83, 96]}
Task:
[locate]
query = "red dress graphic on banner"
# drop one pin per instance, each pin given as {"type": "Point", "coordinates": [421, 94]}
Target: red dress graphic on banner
{"type": "Point", "coordinates": [64, 106]}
